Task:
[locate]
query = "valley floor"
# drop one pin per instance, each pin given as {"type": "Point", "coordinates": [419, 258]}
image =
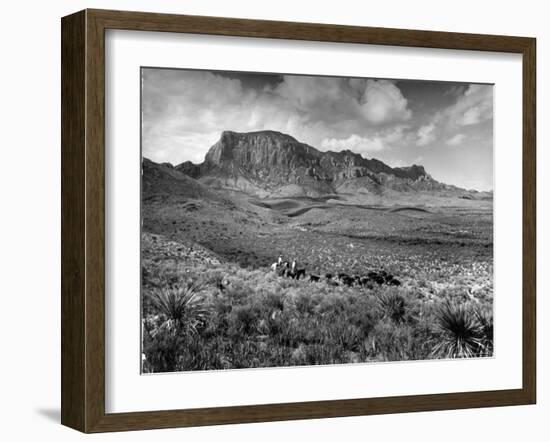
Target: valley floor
{"type": "Point", "coordinates": [210, 301]}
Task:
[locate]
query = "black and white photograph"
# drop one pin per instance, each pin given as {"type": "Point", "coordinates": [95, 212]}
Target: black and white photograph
{"type": "Point", "coordinates": [301, 220]}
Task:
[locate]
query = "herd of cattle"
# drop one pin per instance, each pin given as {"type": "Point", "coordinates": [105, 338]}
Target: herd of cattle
{"type": "Point", "coordinates": [381, 277]}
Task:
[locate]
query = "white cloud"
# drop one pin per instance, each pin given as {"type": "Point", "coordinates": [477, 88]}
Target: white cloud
{"type": "Point", "coordinates": [425, 135]}
{"type": "Point", "coordinates": [182, 109]}
{"type": "Point", "coordinates": [355, 143]}
{"type": "Point", "coordinates": [455, 140]}
{"type": "Point", "coordinates": [475, 106]}
{"type": "Point", "coordinates": [383, 102]}
{"type": "Point", "coordinates": [184, 113]}
{"type": "Point", "coordinates": [471, 116]}
{"type": "Point", "coordinates": [367, 145]}
{"type": "Point", "coordinates": [399, 162]}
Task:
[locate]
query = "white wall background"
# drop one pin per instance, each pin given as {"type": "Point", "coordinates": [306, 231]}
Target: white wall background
{"type": "Point", "coordinates": [30, 221]}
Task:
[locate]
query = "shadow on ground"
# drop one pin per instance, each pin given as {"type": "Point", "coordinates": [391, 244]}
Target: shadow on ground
{"type": "Point", "coordinates": [51, 414]}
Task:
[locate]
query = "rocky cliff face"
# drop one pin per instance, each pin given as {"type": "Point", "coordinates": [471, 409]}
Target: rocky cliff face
{"type": "Point", "coordinates": [269, 163]}
{"type": "Point", "coordinates": [266, 159]}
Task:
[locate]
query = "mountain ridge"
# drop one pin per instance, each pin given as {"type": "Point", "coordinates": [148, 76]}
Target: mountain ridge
{"type": "Point", "coordinates": [270, 163]}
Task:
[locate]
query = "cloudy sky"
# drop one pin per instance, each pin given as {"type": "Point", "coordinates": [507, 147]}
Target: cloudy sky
{"type": "Point", "coordinates": [446, 127]}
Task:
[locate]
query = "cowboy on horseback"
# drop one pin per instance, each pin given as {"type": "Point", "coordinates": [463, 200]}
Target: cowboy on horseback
{"type": "Point", "coordinates": [277, 263]}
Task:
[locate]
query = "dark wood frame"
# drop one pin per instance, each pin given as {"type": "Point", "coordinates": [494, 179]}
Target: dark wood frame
{"type": "Point", "coordinates": [83, 217]}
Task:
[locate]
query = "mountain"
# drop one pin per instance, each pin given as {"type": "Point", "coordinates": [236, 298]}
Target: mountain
{"type": "Point", "coordinates": [163, 180]}
{"type": "Point", "coordinates": [269, 163]}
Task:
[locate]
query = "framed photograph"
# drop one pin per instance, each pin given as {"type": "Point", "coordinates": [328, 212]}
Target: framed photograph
{"type": "Point", "coordinates": [268, 221]}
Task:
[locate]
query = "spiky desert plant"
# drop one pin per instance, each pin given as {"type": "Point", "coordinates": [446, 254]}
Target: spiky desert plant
{"type": "Point", "coordinates": [459, 332]}
{"type": "Point", "coordinates": [484, 318]}
{"type": "Point", "coordinates": [393, 306]}
{"type": "Point", "coordinates": [183, 306]}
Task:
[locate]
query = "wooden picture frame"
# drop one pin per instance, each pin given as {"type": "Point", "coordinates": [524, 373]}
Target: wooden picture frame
{"type": "Point", "coordinates": [83, 220]}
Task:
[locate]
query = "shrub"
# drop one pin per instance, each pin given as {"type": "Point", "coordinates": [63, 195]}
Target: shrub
{"type": "Point", "coordinates": [393, 306]}
{"type": "Point", "coordinates": [184, 306]}
{"type": "Point", "coordinates": [392, 342]}
{"type": "Point", "coordinates": [160, 346]}
{"type": "Point", "coordinates": [274, 301]}
{"type": "Point", "coordinates": [231, 317]}
{"type": "Point", "coordinates": [243, 321]}
{"type": "Point", "coordinates": [216, 279]}
{"type": "Point", "coordinates": [179, 315]}
{"type": "Point", "coordinates": [305, 304]}
{"type": "Point", "coordinates": [460, 334]}
{"type": "Point", "coordinates": [484, 318]}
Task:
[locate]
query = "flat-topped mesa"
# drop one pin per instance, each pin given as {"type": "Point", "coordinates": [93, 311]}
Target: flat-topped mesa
{"type": "Point", "coordinates": [258, 150]}
{"type": "Point", "coordinates": [265, 161]}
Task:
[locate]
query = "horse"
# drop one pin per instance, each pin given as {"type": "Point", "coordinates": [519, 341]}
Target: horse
{"type": "Point", "coordinates": [284, 269]}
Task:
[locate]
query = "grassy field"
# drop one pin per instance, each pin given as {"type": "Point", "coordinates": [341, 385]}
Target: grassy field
{"type": "Point", "coordinates": [209, 300]}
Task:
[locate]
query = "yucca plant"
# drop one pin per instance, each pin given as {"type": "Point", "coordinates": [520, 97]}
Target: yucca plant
{"type": "Point", "coordinates": [460, 335]}
{"type": "Point", "coordinates": [183, 306]}
{"type": "Point", "coordinates": [484, 319]}
{"type": "Point", "coordinates": [393, 306]}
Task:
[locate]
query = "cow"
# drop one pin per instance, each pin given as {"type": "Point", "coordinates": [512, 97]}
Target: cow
{"type": "Point", "coordinates": [330, 280]}
{"type": "Point", "coordinates": [346, 279]}
{"type": "Point", "coordinates": [394, 282]}
{"type": "Point", "coordinates": [314, 278]}
{"type": "Point", "coordinates": [381, 277]}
